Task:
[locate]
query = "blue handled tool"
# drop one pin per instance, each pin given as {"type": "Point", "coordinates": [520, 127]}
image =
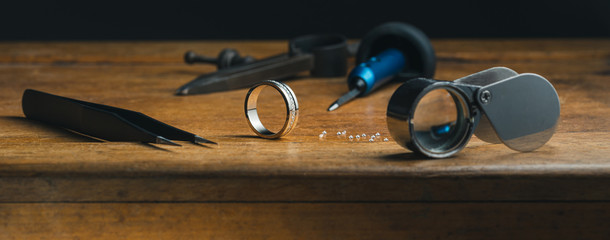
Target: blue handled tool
{"type": "Point", "coordinates": [371, 74]}
{"type": "Point", "coordinates": [390, 51]}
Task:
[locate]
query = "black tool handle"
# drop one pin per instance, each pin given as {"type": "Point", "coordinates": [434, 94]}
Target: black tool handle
{"type": "Point", "coordinates": [276, 67]}
{"type": "Point", "coordinates": [71, 114]}
{"type": "Point", "coordinates": [228, 57]}
{"type": "Point", "coordinates": [97, 120]}
{"type": "Point", "coordinates": [324, 55]}
{"type": "Point", "coordinates": [330, 53]}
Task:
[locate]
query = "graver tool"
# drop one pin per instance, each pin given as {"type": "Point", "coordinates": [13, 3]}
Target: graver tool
{"type": "Point", "coordinates": [390, 51]}
{"type": "Point", "coordinates": [322, 55]}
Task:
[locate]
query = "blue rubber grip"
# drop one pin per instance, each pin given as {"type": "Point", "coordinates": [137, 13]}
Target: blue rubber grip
{"type": "Point", "coordinates": [378, 70]}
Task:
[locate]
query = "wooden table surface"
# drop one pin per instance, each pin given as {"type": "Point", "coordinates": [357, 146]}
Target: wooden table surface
{"type": "Point", "coordinates": [58, 184]}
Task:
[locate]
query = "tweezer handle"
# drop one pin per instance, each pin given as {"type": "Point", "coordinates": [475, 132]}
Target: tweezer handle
{"type": "Point", "coordinates": [76, 115]}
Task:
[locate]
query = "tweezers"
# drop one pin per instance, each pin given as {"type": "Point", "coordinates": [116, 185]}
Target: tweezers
{"type": "Point", "coordinates": [101, 121]}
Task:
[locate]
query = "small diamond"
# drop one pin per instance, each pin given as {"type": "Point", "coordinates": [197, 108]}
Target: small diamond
{"type": "Point", "coordinates": [385, 139]}
{"type": "Point", "coordinates": [338, 133]}
{"type": "Point", "coordinates": [357, 136]}
{"type": "Point", "coordinates": [324, 132]}
{"type": "Point", "coordinates": [370, 140]}
{"type": "Point", "coordinates": [321, 135]}
{"type": "Point", "coordinates": [373, 137]}
{"type": "Point", "coordinates": [363, 135]}
{"type": "Point", "coordinates": [351, 137]}
{"type": "Point", "coordinates": [377, 134]}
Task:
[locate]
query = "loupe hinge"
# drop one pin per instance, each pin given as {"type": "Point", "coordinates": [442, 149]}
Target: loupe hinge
{"type": "Point", "coordinates": [485, 97]}
{"type": "Point", "coordinates": [474, 115]}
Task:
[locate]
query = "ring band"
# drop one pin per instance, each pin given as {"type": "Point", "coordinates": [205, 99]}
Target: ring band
{"type": "Point", "coordinates": [292, 109]}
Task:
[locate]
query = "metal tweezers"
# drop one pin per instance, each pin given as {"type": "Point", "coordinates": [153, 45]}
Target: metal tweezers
{"type": "Point", "coordinates": [101, 121]}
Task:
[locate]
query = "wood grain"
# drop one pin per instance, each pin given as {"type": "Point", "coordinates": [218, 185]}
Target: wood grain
{"type": "Point", "coordinates": [300, 186]}
{"type": "Point", "coordinates": [31, 148]}
{"type": "Point", "coordinates": [306, 221]}
{"type": "Point", "coordinates": [147, 52]}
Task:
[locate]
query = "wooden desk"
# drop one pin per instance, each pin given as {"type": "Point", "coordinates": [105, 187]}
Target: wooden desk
{"type": "Point", "coordinates": [57, 184]}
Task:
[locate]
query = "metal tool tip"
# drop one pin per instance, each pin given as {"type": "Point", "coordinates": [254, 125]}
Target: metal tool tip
{"type": "Point", "coordinates": [333, 107]}
{"type": "Point", "coordinates": [199, 139]}
{"type": "Point", "coordinates": [162, 140]}
{"type": "Point", "coordinates": [182, 91]}
{"type": "Point", "coordinates": [345, 98]}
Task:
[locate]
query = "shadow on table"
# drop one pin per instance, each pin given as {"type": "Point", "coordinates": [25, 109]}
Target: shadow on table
{"type": "Point", "coordinates": [253, 137]}
{"type": "Point", "coordinates": [409, 156]}
{"type": "Point", "coordinates": [34, 124]}
{"type": "Point", "coordinates": [155, 147]}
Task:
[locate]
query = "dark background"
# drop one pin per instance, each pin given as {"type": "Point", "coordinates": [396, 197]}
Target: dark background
{"type": "Point", "coordinates": [240, 19]}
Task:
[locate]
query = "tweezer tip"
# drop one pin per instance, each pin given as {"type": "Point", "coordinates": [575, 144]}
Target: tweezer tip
{"type": "Point", "coordinates": [162, 140]}
{"type": "Point", "coordinates": [199, 139]}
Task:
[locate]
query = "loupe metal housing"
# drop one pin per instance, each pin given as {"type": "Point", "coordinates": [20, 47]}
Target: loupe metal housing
{"type": "Point", "coordinates": [437, 118]}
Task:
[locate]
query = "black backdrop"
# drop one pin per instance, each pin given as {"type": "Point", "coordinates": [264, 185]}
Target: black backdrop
{"type": "Point", "coordinates": [241, 19]}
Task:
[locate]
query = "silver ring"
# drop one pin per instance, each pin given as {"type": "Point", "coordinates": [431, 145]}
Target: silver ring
{"type": "Point", "coordinates": [292, 109]}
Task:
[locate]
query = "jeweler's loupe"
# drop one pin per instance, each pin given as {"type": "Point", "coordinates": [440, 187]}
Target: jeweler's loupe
{"type": "Point", "coordinates": [437, 118]}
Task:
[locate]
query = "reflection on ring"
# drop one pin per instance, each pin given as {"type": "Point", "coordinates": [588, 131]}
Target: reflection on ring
{"type": "Point", "coordinates": [292, 109]}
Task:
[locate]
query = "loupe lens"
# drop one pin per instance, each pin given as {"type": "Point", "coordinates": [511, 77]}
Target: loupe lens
{"type": "Point", "coordinates": [441, 122]}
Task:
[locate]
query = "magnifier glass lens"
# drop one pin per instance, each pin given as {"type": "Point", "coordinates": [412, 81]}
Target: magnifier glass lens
{"type": "Point", "coordinates": [440, 121]}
